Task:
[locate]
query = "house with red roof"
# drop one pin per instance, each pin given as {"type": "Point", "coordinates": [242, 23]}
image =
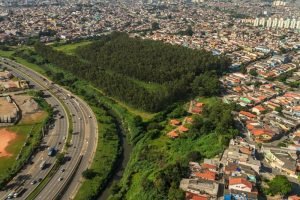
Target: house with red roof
{"type": "Point", "coordinates": [294, 197]}
{"type": "Point", "coordinates": [262, 135]}
{"type": "Point", "coordinates": [173, 134]}
{"type": "Point", "coordinates": [240, 184]}
{"type": "Point", "coordinates": [192, 196]}
{"type": "Point", "coordinates": [246, 115]}
{"type": "Point", "coordinates": [206, 175]}
{"type": "Point", "coordinates": [182, 129]}
{"type": "Point", "coordinates": [175, 122]}
{"type": "Point", "coordinates": [258, 109]}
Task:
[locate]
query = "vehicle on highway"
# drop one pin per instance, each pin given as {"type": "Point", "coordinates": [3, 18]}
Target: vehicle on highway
{"type": "Point", "coordinates": [51, 151]}
{"type": "Point", "coordinates": [42, 165]}
{"type": "Point", "coordinates": [90, 116]}
{"type": "Point", "coordinates": [62, 170]}
{"type": "Point", "coordinates": [11, 195]}
{"type": "Point", "coordinates": [60, 178]}
{"type": "Point", "coordinates": [18, 192]}
{"type": "Point", "coordinates": [69, 95]}
{"type": "Point", "coordinates": [33, 182]}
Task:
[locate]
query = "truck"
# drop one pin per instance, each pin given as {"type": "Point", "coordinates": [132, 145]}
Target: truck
{"type": "Point", "coordinates": [42, 165]}
{"type": "Point", "coordinates": [51, 151]}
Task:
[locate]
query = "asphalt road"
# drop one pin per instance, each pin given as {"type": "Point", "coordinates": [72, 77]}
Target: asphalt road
{"type": "Point", "coordinates": [84, 139]}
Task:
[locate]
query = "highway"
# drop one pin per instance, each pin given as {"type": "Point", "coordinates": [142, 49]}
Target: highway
{"type": "Point", "coordinates": [83, 142]}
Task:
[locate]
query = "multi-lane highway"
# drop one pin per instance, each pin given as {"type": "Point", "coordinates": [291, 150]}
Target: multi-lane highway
{"type": "Point", "coordinates": [66, 182]}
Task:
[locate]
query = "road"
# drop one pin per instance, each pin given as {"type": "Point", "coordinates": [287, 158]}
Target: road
{"type": "Point", "coordinates": [84, 138]}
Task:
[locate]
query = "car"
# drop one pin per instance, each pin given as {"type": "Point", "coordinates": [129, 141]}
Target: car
{"type": "Point", "coordinates": [60, 178]}
{"type": "Point", "coordinates": [62, 170]}
{"type": "Point", "coordinates": [79, 118]}
{"type": "Point", "coordinates": [59, 142]}
{"type": "Point", "coordinates": [90, 116]}
{"type": "Point", "coordinates": [33, 182]}
{"type": "Point", "coordinates": [40, 179]}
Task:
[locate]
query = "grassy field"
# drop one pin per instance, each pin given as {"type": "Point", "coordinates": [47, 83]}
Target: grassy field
{"type": "Point", "coordinates": [70, 48]}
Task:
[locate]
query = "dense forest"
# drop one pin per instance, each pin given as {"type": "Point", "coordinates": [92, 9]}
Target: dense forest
{"type": "Point", "coordinates": [145, 74]}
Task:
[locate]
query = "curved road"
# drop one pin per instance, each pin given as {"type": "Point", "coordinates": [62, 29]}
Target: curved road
{"type": "Point", "coordinates": [84, 139]}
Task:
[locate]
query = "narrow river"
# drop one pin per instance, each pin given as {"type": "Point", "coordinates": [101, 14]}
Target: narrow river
{"type": "Point", "coordinates": [121, 164]}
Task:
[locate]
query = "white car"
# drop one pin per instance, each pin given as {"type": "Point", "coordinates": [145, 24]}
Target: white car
{"type": "Point", "coordinates": [60, 178]}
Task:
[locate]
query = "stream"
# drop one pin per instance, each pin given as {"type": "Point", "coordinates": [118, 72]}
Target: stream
{"type": "Point", "coordinates": [121, 164]}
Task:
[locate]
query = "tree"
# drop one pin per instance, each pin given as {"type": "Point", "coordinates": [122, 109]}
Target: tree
{"type": "Point", "coordinates": [194, 156]}
{"type": "Point", "coordinates": [88, 174]}
{"type": "Point", "coordinates": [253, 72]}
{"type": "Point", "coordinates": [280, 185]}
{"type": "Point", "coordinates": [60, 158]}
{"type": "Point", "coordinates": [206, 84]}
{"type": "Point", "coordinates": [155, 26]}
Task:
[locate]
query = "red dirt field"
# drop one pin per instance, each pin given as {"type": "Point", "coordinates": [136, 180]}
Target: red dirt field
{"type": "Point", "coordinates": [5, 138]}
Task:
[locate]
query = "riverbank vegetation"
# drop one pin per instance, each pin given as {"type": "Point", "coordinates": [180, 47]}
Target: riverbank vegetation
{"type": "Point", "coordinates": [158, 163]}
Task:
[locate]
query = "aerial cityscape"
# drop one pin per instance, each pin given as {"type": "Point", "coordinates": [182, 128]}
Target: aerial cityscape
{"type": "Point", "coordinates": [150, 99]}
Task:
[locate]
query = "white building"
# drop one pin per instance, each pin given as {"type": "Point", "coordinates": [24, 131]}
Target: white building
{"type": "Point", "coordinates": [269, 22]}
{"type": "Point", "coordinates": [280, 23]}
{"type": "Point", "coordinates": [256, 22]}
{"type": "Point", "coordinates": [287, 23]}
{"type": "Point", "coordinates": [262, 22]}
{"type": "Point", "coordinates": [275, 23]}
{"type": "Point", "coordinates": [293, 24]}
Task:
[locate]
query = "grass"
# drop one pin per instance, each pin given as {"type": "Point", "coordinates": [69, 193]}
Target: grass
{"type": "Point", "coordinates": [144, 115]}
{"type": "Point", "coordinates": [70, 48]}
{"type": "Point", "coordinates": [6, 54]}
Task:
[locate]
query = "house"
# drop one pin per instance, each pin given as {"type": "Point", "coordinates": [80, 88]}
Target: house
{"type": "Point", "coordinates": [182, 129]}
{"type": "Point", "coordinates": [294, 197]}
{"type": "Point", "coordinates": [258, 109]}
{"type": "Point", "coordinates": [206, 175]}
{"type": "Point", "coordinates": [246, 115]}
{"type": "Point", "coordinates": [240, 184]}
{"type": "Point", "coordinates": [173, 134]}
{"type": "Point", "coordinates": [200, 187]}
{"type": "Point", "coordinates": [191, 196]}
{"type": "Point", "coordinates": [175, 122]}
{"type": "Point", "coordinates": [262, 135]}
{"type": "Point", "coordinates": [281, 160]}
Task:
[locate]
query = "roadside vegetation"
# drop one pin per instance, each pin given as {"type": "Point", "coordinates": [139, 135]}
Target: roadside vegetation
{"type": "Point", "coordinates": [111, 117]}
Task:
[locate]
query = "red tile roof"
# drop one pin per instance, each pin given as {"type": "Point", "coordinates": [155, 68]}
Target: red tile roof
{"type": "Point", "coordinates": [247, 114]}
{"type": "Point", "coordinates": [206, 174]}
{"type": "Point", "coordinates": [183, 129]}
{"type": "Point", "coordinates": [209, 166]}
{"type": "Point", "coordinates": [173, 134]}
{"type": "Point", "coordinates": [294, 197]}
{"type": "Point", "coordinates": [191, 196]}
{"type": "Point", "coordinates": [175, 122]}
{"type": "Point", "coordinates": [260, 108]}
{"type": "Point", "coordinates": [235, 181]}
{"type": "Point", "coordinates": [259, 132]}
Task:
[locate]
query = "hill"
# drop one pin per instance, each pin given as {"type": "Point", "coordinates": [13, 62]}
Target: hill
{"type": "Point", "coordinates": [148, 75]}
